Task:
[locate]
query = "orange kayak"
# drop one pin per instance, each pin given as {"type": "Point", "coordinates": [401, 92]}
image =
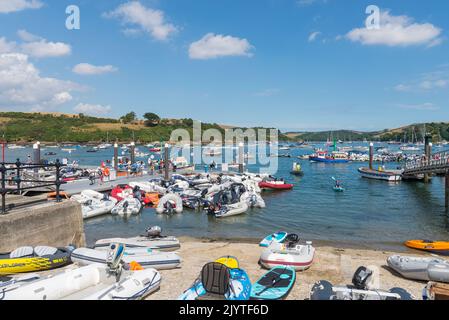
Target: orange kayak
{"type": "Point", "coordinates": [441, 247]}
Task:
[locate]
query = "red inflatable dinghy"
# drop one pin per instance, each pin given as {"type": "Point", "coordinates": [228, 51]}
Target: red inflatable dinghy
{"type": "Point", "coordinates": [275, 185]}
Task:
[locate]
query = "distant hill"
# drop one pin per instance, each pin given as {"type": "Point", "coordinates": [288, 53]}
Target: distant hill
{"type": "Point", "coordinates": [59, 127]}
{"type": "Point", "coordinates": [414, 132]}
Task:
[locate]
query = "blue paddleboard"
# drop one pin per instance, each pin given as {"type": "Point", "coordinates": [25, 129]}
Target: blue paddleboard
{"type": "Point", "coordinates": [275, 284]}
{"type": "Point", "coordinates": [275, 237]}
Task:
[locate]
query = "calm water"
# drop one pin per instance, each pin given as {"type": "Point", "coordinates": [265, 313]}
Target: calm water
{"type": "Point", "coordinates": [369, 213]}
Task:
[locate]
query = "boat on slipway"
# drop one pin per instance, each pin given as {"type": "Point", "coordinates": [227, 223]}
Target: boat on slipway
{"type": "Point", "coordinates": [381, 174]}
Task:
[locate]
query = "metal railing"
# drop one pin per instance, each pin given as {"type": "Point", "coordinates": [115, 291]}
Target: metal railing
{"type": "Point", "coordinates": [17, 177]}
{"type": "Point", "coordinates": [438, 162]}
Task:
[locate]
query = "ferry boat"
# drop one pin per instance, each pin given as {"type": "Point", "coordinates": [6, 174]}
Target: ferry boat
{"type": "Point", "coordinates": [334, 157]}
{"type": "Point", "coordinates": [381, 174]}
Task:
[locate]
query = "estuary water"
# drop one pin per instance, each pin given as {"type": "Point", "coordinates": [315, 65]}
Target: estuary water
{"type": "Point", "coordinates": [370, 213]}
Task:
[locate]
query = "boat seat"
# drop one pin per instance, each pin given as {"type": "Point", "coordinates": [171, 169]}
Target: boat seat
{"type": "Point", "coordinates": [45, 251]}
{"type": "Point", "coordinates": [21, 252]}
{"type": "Point", "coordinates": [215, 278]}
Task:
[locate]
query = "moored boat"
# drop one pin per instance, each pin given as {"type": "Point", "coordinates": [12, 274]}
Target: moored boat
{"type": "Point", "coordinates": [387, 175]}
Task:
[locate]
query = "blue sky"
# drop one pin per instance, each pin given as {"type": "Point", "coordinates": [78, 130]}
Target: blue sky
{"type": "Point", "coordinates": [292, 64]}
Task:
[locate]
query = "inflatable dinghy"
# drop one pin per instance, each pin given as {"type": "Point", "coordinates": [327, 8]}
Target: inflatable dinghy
{"type": "Point", "coordinates": [297, 256]}
{"type": "Point", "coordinates": [229, 210]}
{"type": "Point", "coordinates": [153, 240]}
{"type": "Point", "coordinates": [92, 282]}
{"type": "Point", "coordinates": [362, 289]}
{"type": "Point", "coordinates": [420, 268]}
{"type": "Point", "coordinates": [275, 185]}
{"type": "Point", "coordinates": [94, 207]}
{"type": "Point", "coordinates": [29, 259]}
{"type": "Point", "coordinates": [253, 200]}
{"type": "Point", "coordinates": [147, 258]}
{"type": "Point", "coordinates": [275, 284]}
{"type": "Point", "coordinates": [170, 203]}
{"type": "Point", "coordinates": [127, 207]}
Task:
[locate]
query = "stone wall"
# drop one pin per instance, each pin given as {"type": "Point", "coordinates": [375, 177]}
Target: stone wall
{"type": "Point", "coordinates": [52, 224]}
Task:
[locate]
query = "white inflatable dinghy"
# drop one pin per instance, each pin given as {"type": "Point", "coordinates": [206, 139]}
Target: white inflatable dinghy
{"type": "Point", "coordinates": [170, 203]}
{"type": "Point", "coordinates": [153, 240]}
{"type": "Point", "coordinates": [297, 256]}
{"type": "Point", "coordinates": [229, 210]}
{"type": "Point", "coordinates": [146, 257]}
{"type": "Point", "coordinates": [127, 207]}
{"type": "Point", "coordinates": [93, 282]}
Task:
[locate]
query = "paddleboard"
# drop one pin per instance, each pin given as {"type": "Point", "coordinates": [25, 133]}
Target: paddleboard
{"type": "Point", "coordinates": [275, 284]}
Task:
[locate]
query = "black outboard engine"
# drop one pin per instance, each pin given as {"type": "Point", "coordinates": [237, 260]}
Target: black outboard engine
{"type": "Point", "coordinates": [361, 278]}
{"type": "Point", "coordinates": [153, 232]}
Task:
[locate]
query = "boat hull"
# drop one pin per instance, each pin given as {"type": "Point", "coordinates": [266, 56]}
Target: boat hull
{"type": "Point", "coordinates": [380, 175]}
{"type": "Point", "coordinates": [325, 160]}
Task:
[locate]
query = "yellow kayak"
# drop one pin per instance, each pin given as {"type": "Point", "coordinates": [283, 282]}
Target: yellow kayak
{"type": "Point", "coordinates": [29, 259]}
{"type": "Point", "coordinates": [440, 247]}
{"type": "Point", "coordinates": [229, 261]}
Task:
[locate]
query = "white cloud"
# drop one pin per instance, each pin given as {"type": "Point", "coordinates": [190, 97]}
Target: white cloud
{"type": "Point", "coordinates": [46, 49]}
{"type": "Point", "coordinates": [430, 81]}
{"type": "Point", "coordinates": [214, 46]}
{"type": "Point", "coordinates": [22, 86]}
{"type": "Point", "coordinates": [402, 88]}
{"type": "Point", "coordinates": [89, 69]}
{"type": "Point", "coordinates": [6, 46]}
{"type": "Point", "coordinates": [149, 20]}
{"type": "Point", "coordinates": [7, 6]}
{"type": "Point", "coordinates": [397, 31]}
{"type": "Point", "coordinates": [28, 37]}
{"type": "Point", "coordinates": [420, 107]}
{"type": "Point", "coordinates": [313, 36]}
{"type": "Point", "coordinates": [92, 109]}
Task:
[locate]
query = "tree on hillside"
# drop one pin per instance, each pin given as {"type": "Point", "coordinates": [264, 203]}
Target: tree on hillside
{"type": "Point", "coordinates": [129, 117]}
{"type": "Point", "coordinates": [151, 119]}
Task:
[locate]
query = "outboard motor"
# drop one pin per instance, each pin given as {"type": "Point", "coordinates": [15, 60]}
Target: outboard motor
{"type": "Point", "coordinates": [361, 278]}
{"type": "Point", "coordinates": [153, 232]}
{"type": "Point", "coordinates": [114, 259]}
{"type": "Point", "coordinates": [170, 206]}
{"type": "Point", "coordinates": [253, 200]}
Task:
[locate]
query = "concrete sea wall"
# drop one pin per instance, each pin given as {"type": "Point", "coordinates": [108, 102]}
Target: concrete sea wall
{"type": "Point", "coordinates": [52, 224]}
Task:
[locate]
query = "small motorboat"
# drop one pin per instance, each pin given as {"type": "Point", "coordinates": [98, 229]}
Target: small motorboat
{"type": "Point", "coordinates": [290, 253]}
{"type": "Point", "coordinates": [29, 259]}
{"type": "Point", "coordinates": [362, 289]}
{"type": "Point", "coordinates": [278, 237]}
{"type": "Point", "coordinates": [127, 207]}
{"type": "Point", "coordinates": [146, 257]}
{"type": "Point", "coordinates": [275, 284]}
{"type": "Point", "coordinates": [169, 204]}
{"type": "Point", "coordinates": [420, 268]}
{"type": "Point", "coordinates": [152, 239]}
{"type": "Point", "coordinates": [275, 185]}
{"type": "Point", "coordinates": [94, 208]}
{"type": "Point", "coordinates": [92, 282]}
{"type": "Point", "coordinates": [438, 247]}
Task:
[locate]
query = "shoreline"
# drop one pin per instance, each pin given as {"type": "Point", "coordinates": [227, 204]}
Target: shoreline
{"type": "Point", "coordinates": [393, 246]}
{"type": "Point", "coordinates": [333, 264]}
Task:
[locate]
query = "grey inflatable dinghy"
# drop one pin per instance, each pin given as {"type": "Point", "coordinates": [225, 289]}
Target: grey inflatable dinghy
{"type": "Point", "coordinates": [420, 268]}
